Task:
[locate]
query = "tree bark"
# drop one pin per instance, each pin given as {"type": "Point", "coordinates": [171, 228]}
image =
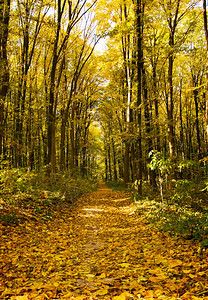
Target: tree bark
{"type": "Point", "coordinates": [156, 106]}
{"type": "Point", "coordinates": [206, 37]}
{"type": "Point", "coordinates": [4, 74]}
{"type": "Point", "coordinates": [181, 124]}
{"type": "Point", "coordinates": [171, 137]}
{"type": "Point", "coordinates": [125, 39]}
{"type": "Point", "coordinates": [138, 24]}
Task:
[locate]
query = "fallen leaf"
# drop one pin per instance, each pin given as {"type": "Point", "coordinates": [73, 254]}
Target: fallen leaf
{"type": "Point", "coordinates": [102, 292]}
{"type": "Point", "coordinates": [25, 297]}
{"type": "Point", "coordinates": [175, 263]}
{"type": "Point", "coordinates": [123, 296]}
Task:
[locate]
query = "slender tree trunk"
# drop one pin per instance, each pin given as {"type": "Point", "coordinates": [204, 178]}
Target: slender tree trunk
{"type": "Point", "coordinates": [148, 120]}
{"type": "Point", "coordinates": [51, 109]}
{"type": "Point", "coordinates": [62, 142]}
{"type": "Point", "coordinates": [172, 12]}
{"type": "Point", "coordinates": [125, 39]}
{"type": "Point", "coordinates": [156, 107]}
{"type": "Point", "coordinates": [67, 148]}
{"type": "Point", "coordinates": [206, 37]}
{"type": "Point", "coordinates": [29, 133]}
{"type": "Point", "coordinates": [72, 142]}
{"type": "Point", "coordinates": [51, 117]}
{"type": "Point", "coordinates": [109, 162]}
{"type": "Point", "coordinates": [139, 14]}
{"type": "Point", "coordinates": [181, 123]}
{"type": "Point", "coordinates": [84, 161]}
{"type": "Point", "coordinates": [106, 160]}
{"type": "Point", "coordinates": [114, 161]}
{"type": "Point", "coordinates": [4, 74]}
{"type": "Point", "coordinates": [171, 138]}
{"type": "Point", "coordinates": [197, 123]}
{"type": "Point", "coordinates": [126, 164]}
{"type": "Point", "coordinates": [133, 162]}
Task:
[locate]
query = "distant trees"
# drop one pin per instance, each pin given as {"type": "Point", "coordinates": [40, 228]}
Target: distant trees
{"type": "Point", "coordinates": [166, 98]}
{"type": "Point", "coordinates": [147, 93]}
{"type": "Point", "coordinates": [46, 107]}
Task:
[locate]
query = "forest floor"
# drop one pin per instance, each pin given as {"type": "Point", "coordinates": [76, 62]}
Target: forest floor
{"type": "Point", "coordinates": [98, 248]}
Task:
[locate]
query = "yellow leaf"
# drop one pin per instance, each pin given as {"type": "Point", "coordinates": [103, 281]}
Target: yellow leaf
{"type": "Point", "coordinates": [187, 271]}
{"type": "Point", "coordinates": [141, 278]}
{"type": "Point", "coordinates": [123, 296]}
{"type": "Point", "coordinates": [37, 285]}
{"type": "Point", "coordinates": [25, 297]}
{"type": "Point", "coordinates": [90, 275]}
{"type": "Point", "coordinates": [124, 265]}
{"type": "Point", "coordinates": [154, 279]}
{"type": "Point", "coordinates": [158, 293]}
{"type": "Point", "coordinates": [56, 284]}
{"type": "Point", "coordinates": [102, 292]}
{"type": "Point", "coordinates": [162, 276]}
{"type": "Point", "coordinates": [102, 275]}
{"type": "Point", "coordinates": [68, 295]}
{"type": "Point", "coordinates": [192, 276]}
{"type": "Point", "coordinates": [134, 284]}
{"type": "Point", "coordinates": [149, 294]}
{"type": "Point", "coordinates": [187, 296]}
{"type": "Point", "coordinates": [201, 273]}
{"type": "Point", "coordinates": [175, 263]}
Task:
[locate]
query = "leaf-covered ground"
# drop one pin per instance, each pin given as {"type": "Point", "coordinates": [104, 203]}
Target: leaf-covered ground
{"type": "Point", "coordinates": [98, 249]}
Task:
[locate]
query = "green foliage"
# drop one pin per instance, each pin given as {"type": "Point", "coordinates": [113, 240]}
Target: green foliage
{"type": "Point", "coordinates": [159, 163]}
{"type": "Point", "coordinates": [9, 219]}
{"type": "Point", "coordinates": [186, 164]}
{"type": "Point", "coordinates": [116, 186]}
{"type": "Point", "coordinates": [204, 244]}
{"type": "Point", "coordinates": [37, 194]}
{"type": "Point", "coordinates": [186, 223]}
{"type": "Point", "coordinates": [183, 213]}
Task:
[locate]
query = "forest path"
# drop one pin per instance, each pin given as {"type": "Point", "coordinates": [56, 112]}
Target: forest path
{"type": "Point", "coordinates": [99, 249]}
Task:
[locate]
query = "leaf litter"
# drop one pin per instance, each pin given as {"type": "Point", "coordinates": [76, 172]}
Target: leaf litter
{"type": "Point", "coordinates": [99, 249]}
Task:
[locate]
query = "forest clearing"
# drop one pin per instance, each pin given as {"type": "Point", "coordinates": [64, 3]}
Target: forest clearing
{"type": "Point", "coordinates": [99, 249]}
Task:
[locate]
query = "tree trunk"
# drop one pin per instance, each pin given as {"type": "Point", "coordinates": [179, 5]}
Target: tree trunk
{"type": "Point", "coordinates": [133, 162]}
{"type": "Point", "coordinates": [114, 161]}
{"type": "Point", "coordinates": [51, 109]}
{"type": "Point", "coordinates": [156, 108]}
{"type": "Point", "coordinates": [109, 162]}
{"type": "Point", "coordinates": [127, 92]}
{"type": "Point", "coordinates": [181, 124]}
{"type": "Point", "coordinates": [197, 123]}
{"type": "Point", "coordinates": [62, 142]}
{"type": "Point", "coordinates": [126, 164]}
{"type": "Point", "coordinates": [4, 74]}
{"type": "Point", "coordinates": [72, 142]}
{"type": "Point", "coordinates": [139, 14]}
{"type": "Point", "coordinates": [206, 37]}
{"type": "Point", "coordinates": [171, 138]}
{"type": "Point", "coordinates": [29, 134]}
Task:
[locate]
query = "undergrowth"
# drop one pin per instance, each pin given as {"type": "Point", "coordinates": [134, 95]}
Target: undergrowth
{"type": "Point", "coordinates": [184, 211]}
{"type": "Point", "coordinates": [116, 186]}
{"type": "Point", "coordinates": [25, 195]}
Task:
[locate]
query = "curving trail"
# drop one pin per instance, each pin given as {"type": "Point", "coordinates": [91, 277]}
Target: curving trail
{"type": "Point", "coordinates": [99, 249]}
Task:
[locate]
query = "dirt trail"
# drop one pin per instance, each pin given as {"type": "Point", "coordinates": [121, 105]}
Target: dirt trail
{"type": "Point", "coordinates": [100, 249]}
